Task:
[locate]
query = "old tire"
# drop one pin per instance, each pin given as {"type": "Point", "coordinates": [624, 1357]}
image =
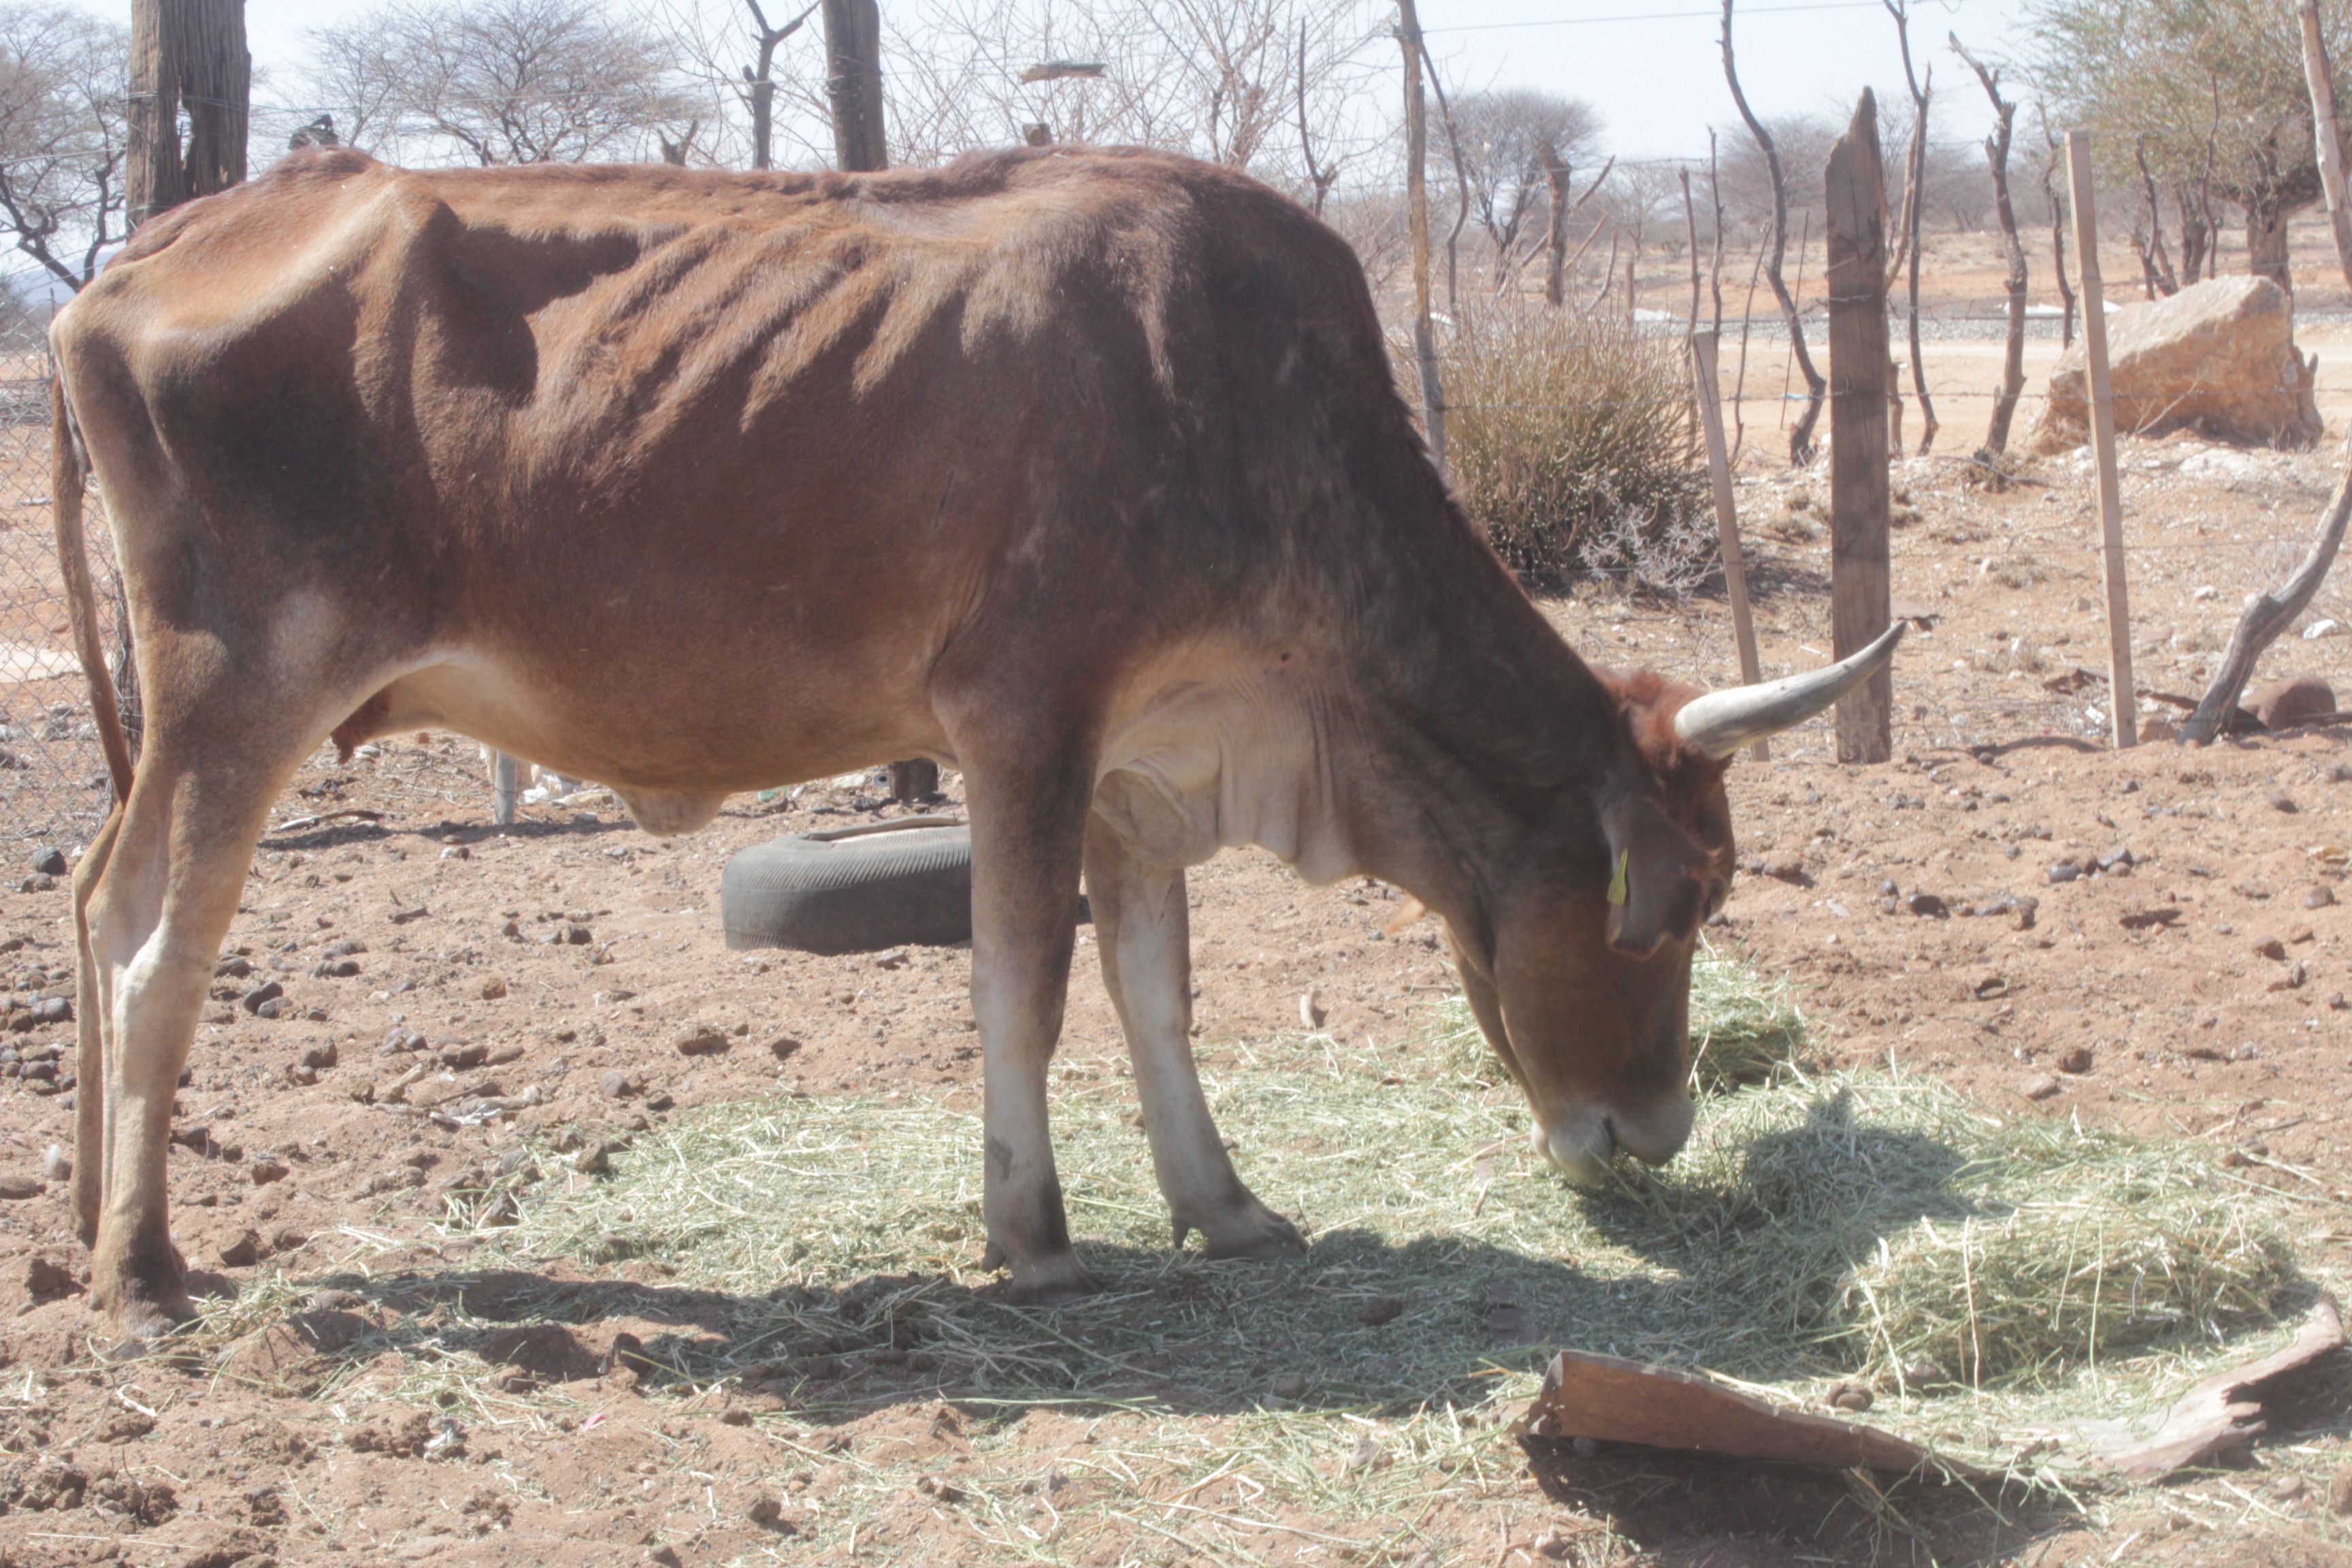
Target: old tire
{"type": "Point", "coordinates": [858, 890]}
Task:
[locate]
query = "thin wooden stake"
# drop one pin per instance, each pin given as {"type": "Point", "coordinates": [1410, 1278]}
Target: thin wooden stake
{"type": "Point", "coordinates": [506, 787]}
{"type": "Point", "coordinates": [1416, 158]}
{"type": "Point", "coordinates": [2123, 697]}
{"type": "Point", "coordinates": [1854, 229]}
{"type": "Point", "coordinates": [1706, 382]}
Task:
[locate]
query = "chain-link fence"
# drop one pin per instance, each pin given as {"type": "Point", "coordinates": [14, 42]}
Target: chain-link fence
{"type": "Point", "coordinates": [53, 783]}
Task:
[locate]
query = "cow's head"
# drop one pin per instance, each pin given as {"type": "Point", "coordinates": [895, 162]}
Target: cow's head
{"type": "Point", "coordinates": [1581, 979]}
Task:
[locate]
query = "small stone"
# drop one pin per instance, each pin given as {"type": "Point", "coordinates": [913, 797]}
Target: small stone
{"type": "Point", "coordinates": [1928, 904]}
{"type": "Point", "coordinates": [2279, 800]}
{"type": "Point", "coordinates": [1381, 1310]}
{"type": "Point", "coordinates": [700, 1039]}
{"type": "Point", "coordinates": [1851, 1396]}
{"type": "Point", "coordinates": [493, 989]}
{"type": "Point", "coordinates": [2041, 1085]}
{"type": "Point", "coordinates": [242, 1250]}
{"type": "Point", "coordinates": [594, 1159]}
{"type": "Point", "coordinates": [2025, 910]}
{"type": "Point", "coordinates": [2064, 872]}
{"type": "Point", "coordinates": [53, 1010]}
{"type": "Point", "coordinates": [2318, 897]}
{"type": "Point", "coordinates": [16, 1187]}
{"type": "Point", "coordinates": [783, 1047]}
{"type": "Point", "coordinates": [232, 969]}
{"type": "Point", "coordinates": [321, 1056]}
{"type": "Point", "coordinates": [764, 1509]}
{"type": "Point", "coordinates": [265, 1170]}
{"type": "Point", "coordinates": [302, 1075]}
{"type": "Point", "coordinates": [49, 861]}
{"type": "Point", "coordinates": [578, 936]}
{"type": "Point", "coordinates": [617, 1085]}
{"type": "Point", "coordinates": [512, 928]}
{"type": "Point", "coordinates": [2271, 947]}
{"type": "Point", "coordinates": [37, 884]}
{"type": "Point", "coordinates": [2077, 1060]}
{"type": "Point", "coordinates": [464, 1058]}
{"type": "Point", "coordinates": [1290, 1385]}
{"type": "Point", "coordinates": [261, 995]}
{"type": "Point", "coordinates": [2288, 1486]}
{"type": "Point", "coordinates": [2339, 1493]}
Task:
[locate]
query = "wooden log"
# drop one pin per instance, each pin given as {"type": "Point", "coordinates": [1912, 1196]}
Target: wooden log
{"type": "Point", "coordinates": [1706, 382]}
{"type": "Point", "coordinates": [2326, 140]}
{"type": "Point", "coordinates": [2267, 617]}
{"type": "Point", "coordinates": [1855, 189]}
{"type": "Point", "coordinates": [2123, 698]}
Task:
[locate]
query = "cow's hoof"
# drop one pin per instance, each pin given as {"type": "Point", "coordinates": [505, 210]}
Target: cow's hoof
{"type": "Point", "coordinates": [1256, 1232]}
{"type": "Point", "coordinates": [1049, 1282]}
{"type": "Point", "coordinates": [142, 1326]}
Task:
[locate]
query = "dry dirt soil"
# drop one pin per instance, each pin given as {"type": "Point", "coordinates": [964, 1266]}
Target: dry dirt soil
{"type": "Point", "coordinates": [537, 983]}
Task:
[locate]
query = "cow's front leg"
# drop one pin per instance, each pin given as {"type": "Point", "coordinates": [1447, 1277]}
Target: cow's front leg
{"type": "Point", "coordinates": [1028, 824]}
{"type": "Point", "coordinates": [1144, 931]}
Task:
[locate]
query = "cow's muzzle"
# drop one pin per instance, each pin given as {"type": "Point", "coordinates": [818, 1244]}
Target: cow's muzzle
{"type": "Point", "coordinates": [1583, 1146]}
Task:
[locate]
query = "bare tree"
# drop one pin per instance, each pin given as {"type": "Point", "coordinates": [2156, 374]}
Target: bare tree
{"type": "Point", "coordinates": [62, 136]}
{"type": "Point", "coordinates": [2057, 233]}
{"type": "Point", "coordinates": [2155, 258]}
{"type": "Point", "coordinates": [1801, 438]}
{"type": "Point", "coordinates": [1914, 184]}
{"type": "Point", "coordinates": [501, 81]}
{"type": "Point", "coordinates": [760, 81]}
{"type": "Point", "coordinates": [1505, 137]}
{"type": "Point", "coordinates": [2012, 251]}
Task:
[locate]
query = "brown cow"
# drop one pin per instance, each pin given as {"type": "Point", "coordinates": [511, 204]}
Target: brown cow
{"type": "Point", "coordinates": [1082, 472]}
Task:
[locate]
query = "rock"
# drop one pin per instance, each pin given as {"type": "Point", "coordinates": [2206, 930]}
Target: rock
{"type": "Point", "coordinates": [232, 969]}
{"type": "Point", "coordinates": [594, 1159]}
{"type": "Point", "coordinates": [2219, 358]}
{"type": "Point", "coordinates": [2271, 947]}
{"type": "Point", "coordinates": [320, 1057]}
{"type": "Point", "coordinates": [2064, 872]}
{"type": "Point", "coordinates": [700, 1039]}
{"type": "Point", "coordinates": [242, 1250]}
{"type": "Point", "coordinates": [2318, 897]}
{"type": "Point", "coordinates": [1927, 904]}
{"type": "Point", "coordinates": [37, 883]}
{"type": "Point", "coordinates": [53, 1010]}
{"type": "Point", "coordinates": [578, 936]}
{"type": "Point", "coordinates": [2339, 1493]}
{"type": "Point", "coordinates": [2288, 1486]}
{"type": "Point", "coordinates": [493, 989]}
{"type": "Point", "coordinates": [2279, 800]}
{"type": "Point", "coordinates": [783, 1047]}
{"type": "Point", "coordinates": [2077, 1059]}
{"type": "Point", "coordinates": [464, 1058]}
{"type": "Point", "coordinates": [265, 1170]}
{"type": "Point", "coordinates": [16, 1186]}
{"type": "Point", "coordinates": [2041, 1085]}
{"type": "Point", "coordinates": [56, 1163]}
{"type": "Point", "coordinates": [47, 1280]}
{"type": "Point", "coordinates": [617, 1085]}
{"type": "Point", "coordinates": [49, 861]}
{"type": "Point", "coordinates": [2283, 702]}
{"type": "Point", "coordinates": [261, 995]}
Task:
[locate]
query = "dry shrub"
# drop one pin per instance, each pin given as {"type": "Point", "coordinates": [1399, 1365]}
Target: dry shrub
{"type": "Point", "coordinates": [1570, 443]}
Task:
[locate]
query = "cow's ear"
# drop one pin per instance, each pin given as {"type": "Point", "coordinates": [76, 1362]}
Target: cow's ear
{"type": "Point", "coordinates": [1657, 876]}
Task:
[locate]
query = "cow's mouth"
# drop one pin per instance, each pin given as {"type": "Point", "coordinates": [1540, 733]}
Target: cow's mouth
{"type": "Point", "coordinates": [1582, 1147]}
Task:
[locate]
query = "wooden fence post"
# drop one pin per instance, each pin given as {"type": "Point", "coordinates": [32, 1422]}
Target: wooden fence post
{"type": "Point", "coordinates": [853, 50]}
{"type": "Point", "coordinates": [506, 787]}
{"type": "Point", "coordinates": [1705, 381]}
{"type": "Point", "coordinates": [2122, 697]}
{"type": "Point", "coordinates": [190, 54]}
{"type": "Point", "coordinates": [1855, 191]}
{"type": "Point", "coordinates": [1416, 160]}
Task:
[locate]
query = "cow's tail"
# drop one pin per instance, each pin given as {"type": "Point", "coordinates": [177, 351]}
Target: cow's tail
{"type": "Point", "coordinates": [66, 479]}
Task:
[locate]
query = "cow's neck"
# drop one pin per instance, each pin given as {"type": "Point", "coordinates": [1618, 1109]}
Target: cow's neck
{"type": "Point", "coordinates": [1413, 741]}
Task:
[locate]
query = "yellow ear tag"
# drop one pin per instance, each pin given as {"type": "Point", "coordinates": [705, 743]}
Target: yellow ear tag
{"type": "Point", "coordinates": [1617, 880]}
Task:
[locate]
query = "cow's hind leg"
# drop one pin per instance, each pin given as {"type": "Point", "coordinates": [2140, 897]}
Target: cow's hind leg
{"type": "Point", "coordinates": [90, 1060]}
{"type": "Point", "coordinates": [155, 912]}
{"type": "Point", "coordinates": [1144, 931]}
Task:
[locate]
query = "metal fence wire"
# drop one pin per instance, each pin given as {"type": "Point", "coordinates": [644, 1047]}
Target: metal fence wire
{"type": "Point", "coordinates": [53, 781]}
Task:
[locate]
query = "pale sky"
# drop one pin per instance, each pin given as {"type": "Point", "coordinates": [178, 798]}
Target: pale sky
{"type": "Point", "coordinates": [1651, 67]}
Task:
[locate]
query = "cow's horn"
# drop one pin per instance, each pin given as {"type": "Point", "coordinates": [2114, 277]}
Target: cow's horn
{"type": "Point", "coordinates": [1720, 722]}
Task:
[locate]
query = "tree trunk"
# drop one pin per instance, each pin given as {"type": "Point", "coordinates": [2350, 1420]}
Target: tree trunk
{"type": "Point", "coordinates": [2326, 140]}
{"type": "Point", "coordinates": [1556, 240]}
{"type": "Point", "coordinates": [853, 50]}
{"type": "Point", "coordinates": [191, 54]}
{"type": "Point", "coordinates": [2266, 254]}
{"type": "Point", "coordinates": [2012, 251]}
{"type": "Point", "coordinates": [2058, 249]}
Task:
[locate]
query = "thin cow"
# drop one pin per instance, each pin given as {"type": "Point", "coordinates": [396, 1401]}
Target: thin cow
{"type": "Point", "coordinates": [1084, 472]}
